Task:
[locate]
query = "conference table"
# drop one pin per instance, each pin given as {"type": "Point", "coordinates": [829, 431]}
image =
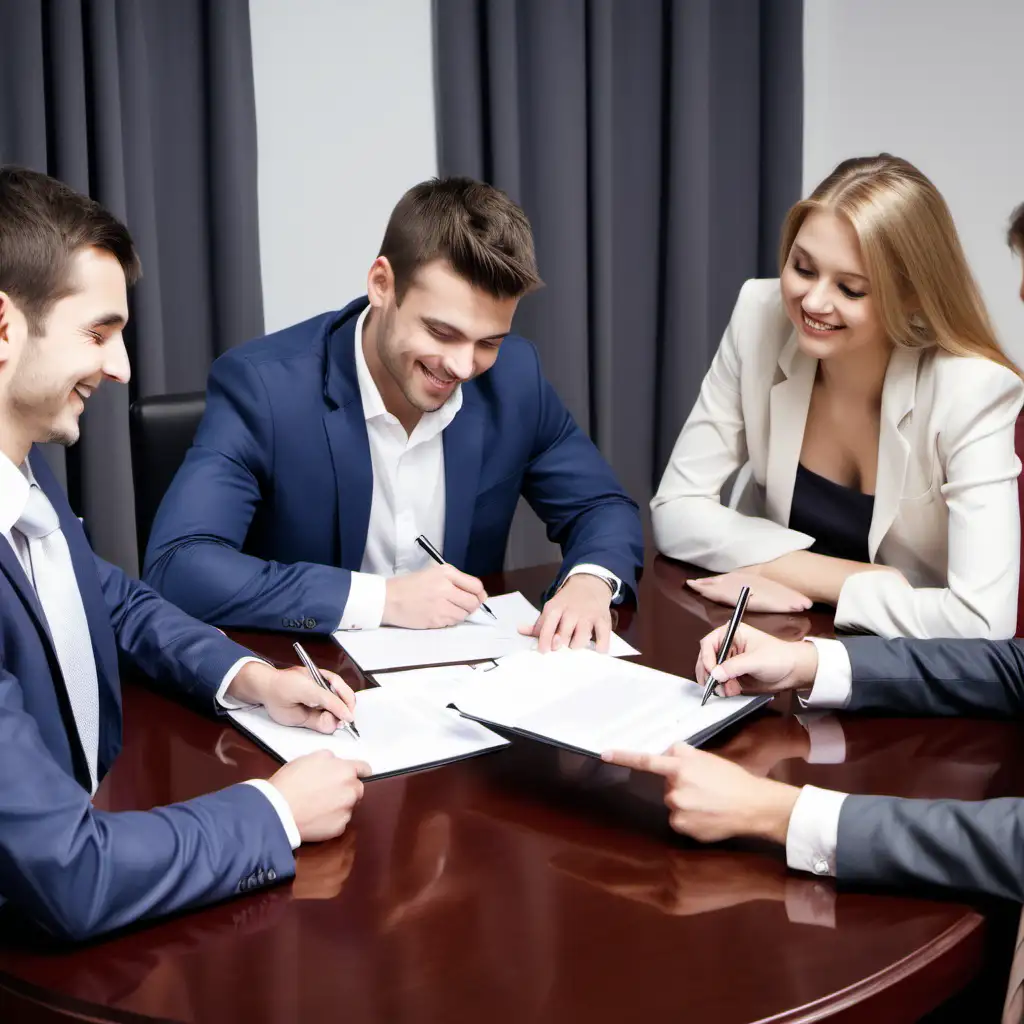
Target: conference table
{"type": "Point", "coordinates": [530, 884]}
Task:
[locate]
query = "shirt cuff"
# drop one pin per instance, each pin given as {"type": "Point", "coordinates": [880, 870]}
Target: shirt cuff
{"type": "Point", "coordinates": [814, 830]}
{"type": "Point", "coordinates": [828, 741]}
{"type": "Point", "coordinates": [280, 805]}
{"type": "Point", "coordinates": [222, 696]}
{"type": "Point", "coordinates": [833, 682]}
{"type": "Point", "coordinates": [610, 578]}
{"type": "Point", "coordinates": [364, 608]}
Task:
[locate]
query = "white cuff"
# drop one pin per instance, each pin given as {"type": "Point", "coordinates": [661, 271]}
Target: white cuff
{"type": "Point", "coordinates": [813, 831]}
{"type": "Point", "coordinates": [280, 805]}
{"type": "Point", "coordinates": [828, 741]}
{"type": "Point", "coordinates": [596, 570]}
{"type": "Point", "coordinates": [222, 697]}
{"type": "Point", "coordinates": [364, 608]}
{"type": "Point", "coordinates": [833, 682]}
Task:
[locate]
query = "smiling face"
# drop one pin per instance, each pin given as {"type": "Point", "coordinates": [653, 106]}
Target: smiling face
{"type": "Point", "coordinates": [443, 332]}
{"type": "Point", "coordinates": [47, 377]}
{"type": "Point", "coordinates": [826, 291]}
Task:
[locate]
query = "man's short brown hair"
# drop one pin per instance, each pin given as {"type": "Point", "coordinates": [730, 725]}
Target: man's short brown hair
{"type": "Point", "coordinates": [474, 226]}
{"type": "Point", "coordinates": [43, 223]}
{"type": "Point", "coordinates": [1015, 234]}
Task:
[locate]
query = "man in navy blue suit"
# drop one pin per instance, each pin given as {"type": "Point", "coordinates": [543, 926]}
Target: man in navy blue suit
{"type": "Point", "coordinates": [328, 448]}
{"type": "Point", "coordinates": [66, 616]}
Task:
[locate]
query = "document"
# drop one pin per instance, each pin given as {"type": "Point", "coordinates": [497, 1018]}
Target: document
{"type": "Point", "coordinates": [438, 686]}
{"type": "Point", "coordinates": [479, 638]}
{"type": "Point", "coordinates": [588, 702]}
{"type": "Point", "coordinates": [395, 735]}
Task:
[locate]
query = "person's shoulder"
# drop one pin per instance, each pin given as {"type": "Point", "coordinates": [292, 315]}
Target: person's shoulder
{"type": "Point", "coordinates": [297, 341]}
{"type": "Point", "coordinates": [759, 306]}
{"type": "Point", "coordinates": [963, 391]}
{"type": "Point", "coordinates": [759, 327]}
{"type": "Point", "coordinates": [959, 377]}
{"type": "Point", "coordinates": [518, 358]}
{"type": "Point", "coordinates": [761, 295]}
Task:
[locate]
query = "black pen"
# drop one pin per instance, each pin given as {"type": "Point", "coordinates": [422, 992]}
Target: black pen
{"type": "Point", "coordinates": [436, 556]}
{"type": "Point", "coordinates": [319, 679]}
{"type": "Point", "coordinates": [730, 634]}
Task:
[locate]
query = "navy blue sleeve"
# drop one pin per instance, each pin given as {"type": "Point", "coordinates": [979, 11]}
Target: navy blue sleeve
{"type": "Point", "coordinates": [77, 871]}
{"type": "Point", "coordinates": [194, 557]}
{"type": "Point", "coordinates": [575, 493]}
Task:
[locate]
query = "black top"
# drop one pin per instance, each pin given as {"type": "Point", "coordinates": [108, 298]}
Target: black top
{"type": "Point", "coordinates": [838, 517]}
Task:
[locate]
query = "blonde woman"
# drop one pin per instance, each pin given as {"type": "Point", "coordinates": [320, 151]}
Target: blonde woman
{"type": "Point", "coordinates": [872, 410]}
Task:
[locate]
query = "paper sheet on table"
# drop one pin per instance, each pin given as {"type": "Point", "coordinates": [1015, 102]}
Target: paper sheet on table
{"type": "Point", "coordinates": [437, 686]}
{"type": "Point", "coordinates": [590, 703]}
{"type": "Point", "coordinates": [396, 735]}
{"type": "Point", "coordinates": [479, 638]}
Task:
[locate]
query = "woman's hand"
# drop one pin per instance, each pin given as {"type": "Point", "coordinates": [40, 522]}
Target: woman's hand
{"type": "Point", "coordinates": [765, 595]}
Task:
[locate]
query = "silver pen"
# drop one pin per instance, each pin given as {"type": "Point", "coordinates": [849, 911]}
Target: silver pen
{"type": "Point", "coordinates": [319, 679]}
{"type": "Point", "coordinates": [730, 633]}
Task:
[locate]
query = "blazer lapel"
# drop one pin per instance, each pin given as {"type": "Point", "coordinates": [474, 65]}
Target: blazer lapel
{"type": "Point", "coordinates": [12, 569]}
{"type": "Point", "coordinates": [788, 402]}
{"type": "Point", "coordinates": [345, 425]}
{"type": "Point", "coordinates": [463, 441]}
{"type": "Point", "coordinates": [898, 394]}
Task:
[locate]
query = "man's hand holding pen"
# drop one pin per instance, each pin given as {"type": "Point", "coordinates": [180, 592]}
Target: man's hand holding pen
{"type": "Point", "coordinates": [292, 697]}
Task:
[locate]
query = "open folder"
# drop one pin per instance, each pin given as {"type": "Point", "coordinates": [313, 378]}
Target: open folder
{"type": "Point", "coordinates": [589, 703]}
{"type": "Point", "coordinates": [395, 735]}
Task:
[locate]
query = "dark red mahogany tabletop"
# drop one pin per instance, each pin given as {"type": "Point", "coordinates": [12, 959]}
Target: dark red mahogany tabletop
{"type": "Point", "coordinates": [529, 885]}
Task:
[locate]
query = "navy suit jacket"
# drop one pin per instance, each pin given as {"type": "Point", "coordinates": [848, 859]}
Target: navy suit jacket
{"type": "Point", "coordinates": [75, 870]}
{"type": "Point", "coordinates": [268, 514]}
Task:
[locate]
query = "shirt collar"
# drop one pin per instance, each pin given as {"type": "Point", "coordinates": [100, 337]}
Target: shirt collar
{"type": "Point", "coordinates": [373, 405]}
{"type": "Point", "coordinates": [15, 483]}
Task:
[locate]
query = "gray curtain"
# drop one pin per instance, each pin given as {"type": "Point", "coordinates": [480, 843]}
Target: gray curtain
{"type": "Point", "coordinates": [147, 106]}
{"type": "Point", "coordinates": [655, 146]}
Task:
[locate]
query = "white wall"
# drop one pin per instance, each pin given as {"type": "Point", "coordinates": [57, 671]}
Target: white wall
{"type": "Point", "coordinates": [940, 83]}
{"type": "Point", "coordinates": [345, 124]}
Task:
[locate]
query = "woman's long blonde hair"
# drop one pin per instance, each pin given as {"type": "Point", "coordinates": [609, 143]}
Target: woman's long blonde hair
{"type": "Point", "coordinates": [924, 290]}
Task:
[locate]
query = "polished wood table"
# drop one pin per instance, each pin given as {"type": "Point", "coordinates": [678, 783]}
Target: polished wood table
{"type": "Point", "coordinates": [532, 886]}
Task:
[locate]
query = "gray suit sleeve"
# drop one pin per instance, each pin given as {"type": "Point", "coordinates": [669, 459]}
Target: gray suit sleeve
{"type": "Point", "coordinates": [937, 677]}
{"type": "Point", "coordinates": [953, 843]}
{"type": "Point", "coordinates": [960, 844]}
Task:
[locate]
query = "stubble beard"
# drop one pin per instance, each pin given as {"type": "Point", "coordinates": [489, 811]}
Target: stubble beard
{"type": "Point", "coordinates": [392, 364]}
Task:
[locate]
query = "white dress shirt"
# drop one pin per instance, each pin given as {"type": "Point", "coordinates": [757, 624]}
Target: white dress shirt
{"type": "Point", "coordinates": [814, 825]}
{"type": "Point", "coordinates": [15, 484]}
{"type": "Point", "coordinates": [408, 498]}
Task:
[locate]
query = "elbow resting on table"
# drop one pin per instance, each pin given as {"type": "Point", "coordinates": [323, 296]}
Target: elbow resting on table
{"type": "Point", "coordinates": [174, 573]}
{"type": "Point", "coordinates": [681, 529]}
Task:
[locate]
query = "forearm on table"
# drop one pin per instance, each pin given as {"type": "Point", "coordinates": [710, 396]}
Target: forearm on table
{"type": "Point", "coordinates": [820, 577]}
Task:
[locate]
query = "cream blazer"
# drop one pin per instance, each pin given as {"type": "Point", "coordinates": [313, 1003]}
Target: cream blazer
{"type": "Point", "coordinates": [946, 509]}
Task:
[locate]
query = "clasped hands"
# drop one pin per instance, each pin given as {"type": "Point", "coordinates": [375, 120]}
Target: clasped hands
{"type": "Point", "coordinates": [442, 596]}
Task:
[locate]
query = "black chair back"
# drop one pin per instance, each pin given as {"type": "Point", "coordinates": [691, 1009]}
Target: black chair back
{"type": "Point", "coordinates": [162, 428]}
